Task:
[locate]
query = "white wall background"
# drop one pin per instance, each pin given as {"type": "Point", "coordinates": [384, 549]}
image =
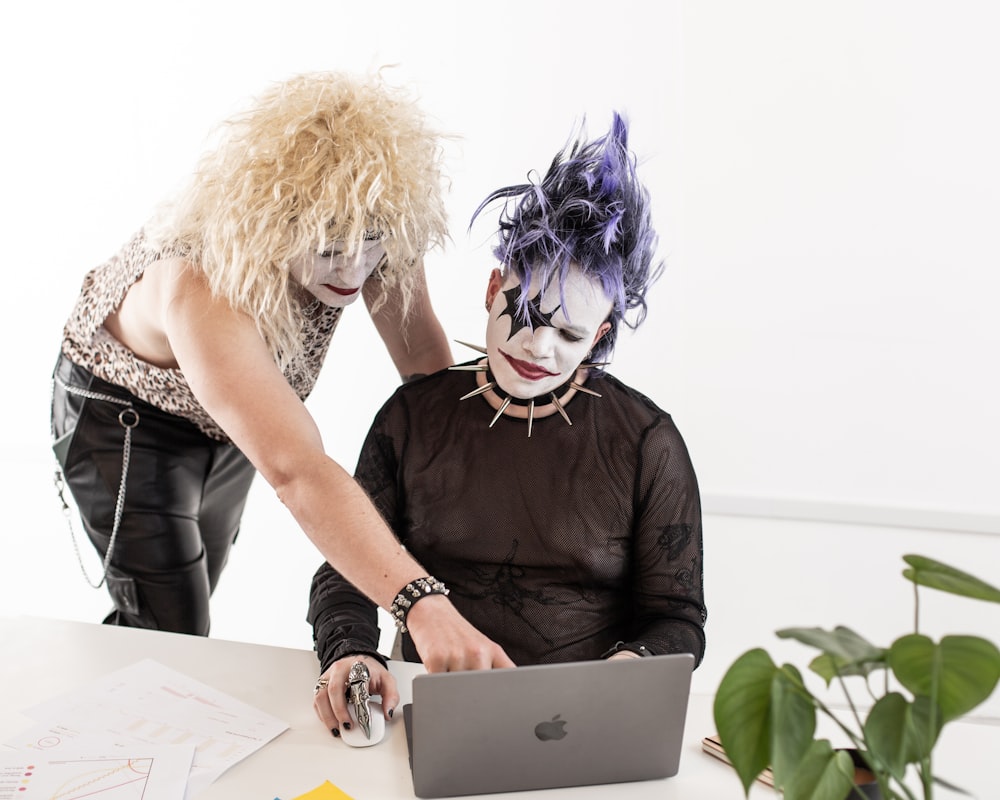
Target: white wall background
{"type": "Point", "coordinates": [826, 182]}
{"type": "Point", "coordinates": [841, 186]}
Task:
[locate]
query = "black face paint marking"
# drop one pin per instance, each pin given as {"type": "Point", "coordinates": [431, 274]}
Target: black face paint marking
{"type": "Point", "coordinates": [536, 318]}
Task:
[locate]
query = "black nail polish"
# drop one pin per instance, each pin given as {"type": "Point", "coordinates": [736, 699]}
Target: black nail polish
{"type": "Point", "coordinates": [347, 726]}
{"type": "Point", "coordinates": [390, 712]}
{"type": "Point", "coordinates": [335, 732]}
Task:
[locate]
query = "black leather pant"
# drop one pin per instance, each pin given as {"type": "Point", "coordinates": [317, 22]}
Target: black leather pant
{"type": "Point", "coordinates": [184, 498]}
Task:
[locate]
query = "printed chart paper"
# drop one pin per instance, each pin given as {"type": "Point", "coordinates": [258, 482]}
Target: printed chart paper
{"type": "Point", "coordinates": [160, 773]}
{"type": "Point", "coordinates": [150, 704]}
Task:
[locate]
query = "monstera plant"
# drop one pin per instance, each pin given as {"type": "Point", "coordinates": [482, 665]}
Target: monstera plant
{"type": "Point", "coordinates": [766, 716]}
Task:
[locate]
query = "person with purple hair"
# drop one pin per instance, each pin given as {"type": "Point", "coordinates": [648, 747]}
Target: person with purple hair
{"type": "Point", "coordinates": [558, 506]}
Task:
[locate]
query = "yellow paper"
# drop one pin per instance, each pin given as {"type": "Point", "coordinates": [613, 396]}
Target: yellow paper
{"type": "Point", "coordinates": [325, 791]}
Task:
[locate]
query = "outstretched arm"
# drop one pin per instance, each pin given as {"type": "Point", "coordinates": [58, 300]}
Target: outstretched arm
{"type": "Point", "coordinates": [230, 370]}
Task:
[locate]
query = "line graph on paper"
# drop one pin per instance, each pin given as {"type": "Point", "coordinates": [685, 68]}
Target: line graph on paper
{"type": "Point", "coordinates": [103, 779]}
{"type": "Point", "coordinates": [152, 776]}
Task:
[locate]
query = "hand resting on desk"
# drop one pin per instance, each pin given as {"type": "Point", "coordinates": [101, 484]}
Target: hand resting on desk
{"type": "Point", "coordinates": [330, 703]}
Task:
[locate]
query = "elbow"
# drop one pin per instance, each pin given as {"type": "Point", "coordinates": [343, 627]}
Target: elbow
{"type": "Point", "coordinates": [293, 483]}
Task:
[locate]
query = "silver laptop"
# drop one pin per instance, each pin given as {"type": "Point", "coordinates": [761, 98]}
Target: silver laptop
{"type": "Point", "coordinates": [547, 726]}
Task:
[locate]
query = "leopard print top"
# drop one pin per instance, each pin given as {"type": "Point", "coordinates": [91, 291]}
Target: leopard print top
{"type": "Point", "coordinates": [87, 343]}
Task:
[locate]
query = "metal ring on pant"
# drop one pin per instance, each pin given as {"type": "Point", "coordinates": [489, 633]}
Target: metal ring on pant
{"type": "Point", "coordinates": [60, 479]}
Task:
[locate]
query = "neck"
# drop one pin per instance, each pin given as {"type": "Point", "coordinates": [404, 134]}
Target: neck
{"type": "Point", "coordinates": [534, 407]}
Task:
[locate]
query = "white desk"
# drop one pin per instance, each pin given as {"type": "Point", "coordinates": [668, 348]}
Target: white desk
{"type": "Point", "coordinates": [45, 658]}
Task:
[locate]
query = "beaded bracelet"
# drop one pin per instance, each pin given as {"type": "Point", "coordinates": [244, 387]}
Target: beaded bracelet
{"type": "Point", "coordinates": [410, 594]}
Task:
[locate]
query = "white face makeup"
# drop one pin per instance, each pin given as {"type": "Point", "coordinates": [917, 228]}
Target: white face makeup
{"type": "Point", "coordinates": [530, 360]}
{"type": "Point", "coordinates": [333, 278]}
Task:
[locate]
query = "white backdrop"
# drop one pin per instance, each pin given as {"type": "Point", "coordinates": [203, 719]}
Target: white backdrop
{"type": "Point", "coordinates": [841, 190]}
{"type": "Point", "coordinates": [826, 183]}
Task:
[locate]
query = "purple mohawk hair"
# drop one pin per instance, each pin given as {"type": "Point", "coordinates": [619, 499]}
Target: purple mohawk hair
{"type": "Point", "coordinates": [591, 209]}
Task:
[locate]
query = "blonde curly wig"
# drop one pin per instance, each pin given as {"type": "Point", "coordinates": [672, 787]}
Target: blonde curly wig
{"type": "Point", "coordinates": [321, 158]}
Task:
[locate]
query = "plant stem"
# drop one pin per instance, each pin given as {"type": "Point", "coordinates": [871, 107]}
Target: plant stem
{"type": "Point", "coordinates": [856, 740]}
{"type": "Point", "coordinates": [926, 777]}
{"type": "Point", "coordinates": [850, 701]}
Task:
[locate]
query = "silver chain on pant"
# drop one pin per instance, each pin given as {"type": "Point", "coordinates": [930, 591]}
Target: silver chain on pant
{"type": "Point", "coordinates": [128, 418]}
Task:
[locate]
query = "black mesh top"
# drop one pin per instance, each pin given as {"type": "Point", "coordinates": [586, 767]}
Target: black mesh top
{"type": "Point", "coordinates": [557, 546]}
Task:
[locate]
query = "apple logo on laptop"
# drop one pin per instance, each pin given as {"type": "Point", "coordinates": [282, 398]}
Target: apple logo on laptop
{"type": "Point", "coordinates": [549, 729]}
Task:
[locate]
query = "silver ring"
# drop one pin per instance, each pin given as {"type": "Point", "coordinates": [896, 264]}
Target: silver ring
{"type": "Point", "coordinates": [358, 673]}
{"type": "Point", "coordinates": [321, 683]}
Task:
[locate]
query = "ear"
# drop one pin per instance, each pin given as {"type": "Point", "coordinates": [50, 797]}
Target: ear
{"type": "Point", "coordinates": [493, 287]}
{"type": "Point", "coordinates": [605, 327]}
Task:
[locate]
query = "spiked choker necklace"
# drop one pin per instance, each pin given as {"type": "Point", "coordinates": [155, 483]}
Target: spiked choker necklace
{"type": "Point", "coordinates": [537, 400]}
{"type": "Point", "coordinates": [555, 397]}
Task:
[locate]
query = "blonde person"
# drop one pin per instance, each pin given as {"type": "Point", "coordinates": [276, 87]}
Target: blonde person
{"type": "Point", "coordinates": [188, 355]}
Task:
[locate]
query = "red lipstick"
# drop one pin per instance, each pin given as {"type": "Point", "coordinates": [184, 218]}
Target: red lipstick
{"type": "Point", "coordinates": [338, 290]}
{"type": "Point", "coordinates": [527, 370]}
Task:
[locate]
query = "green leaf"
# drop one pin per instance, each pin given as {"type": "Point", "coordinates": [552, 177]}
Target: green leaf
{"type": "Point", "coordinates": [828, 668]}
{"type": "Point", "coordinates": [823, 774]}
{"type": "Point", "coordinates": [793, 721]}
{"type": "Point", "coordinates": [935, 575]}
{"type": "Point", "coordinates": [844, 651]}
{"type": "Point", "coordinates": [742, 712]}
{"type": "Point", "coordinates": [959, 673]}
{"type": "Point", "coordinates": [923, 726]}
{"type": "Point", "coordinates": [898, 732]}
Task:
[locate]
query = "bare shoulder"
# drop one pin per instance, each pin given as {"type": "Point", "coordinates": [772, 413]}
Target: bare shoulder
{"type": "Point", "coordinates": [186, 302]}
{"type": "Point", "coordinates": [178, 280]}
{"type": "Point", "coordinates": [194, 317]}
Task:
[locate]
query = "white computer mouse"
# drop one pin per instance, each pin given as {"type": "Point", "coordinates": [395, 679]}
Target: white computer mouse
{"type": "Point", "coordinates": [355, 737]}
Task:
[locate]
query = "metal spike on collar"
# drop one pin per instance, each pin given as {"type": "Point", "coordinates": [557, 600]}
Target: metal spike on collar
{"type": "Point", "coordinates": [560, 409]}
{"type": "Point", "coordinates": [478, 348]}
{"type": "Point", "coordinates": [579, 388]}
{"type": "Point", "coordinates": [484, 388]}
{"type": "Point", "coordinates": [503, 407]}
